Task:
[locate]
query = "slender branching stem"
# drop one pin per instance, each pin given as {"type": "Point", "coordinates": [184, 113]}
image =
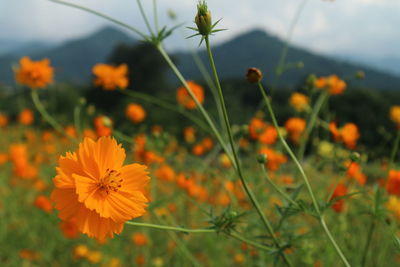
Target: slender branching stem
{"type": "Point", "coordinates": [246, 187]}
{"type": "Point", "coordinates": [310, 124]}
{"type": "Point", "coordinates": [304, 176]}
{"type": "Point", "coordinates": [146, 21]}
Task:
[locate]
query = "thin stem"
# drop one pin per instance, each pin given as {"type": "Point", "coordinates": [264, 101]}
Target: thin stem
{"type": "Point", "coordinates": [170, 228]}
{"type": "Point", "coordinates": [103, 16]}
{"type": "Point", "coordinates": [198, 104]}
{"type": "Point", "coordinates": [77, 119]}
{"type": "Point", "coordinates": [122, 136]}
{"type": "Point", "coordinates": [367, 244]}
{"type": "Point", "coordinates": [155, 14]}
{"type": "Point", "coordinates": [281, 65]}
{"type": "Point", "coordinates": [169, 106]}
{"type": "Point", "coordinates": [394, 150]}
{"type": "Point", "coordinates": [146, 21]}
{"type": "Point", "coordinates": [246, 187]}
{"type": "Point", "coordinates": [310, 124]}
{"type": "Point", "coordinates": [248, 241]}
{"type": "Point", "coordinates": [276, 187]}
{"type": "Point", "coordinates": [303, 174]}
{"type": "Point", "coordinates": [46, 116]}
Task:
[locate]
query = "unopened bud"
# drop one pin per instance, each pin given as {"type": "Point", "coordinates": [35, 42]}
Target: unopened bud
{"type": "Point", "coordinates": [355, 157]}
{"type": "Point", "coordinates": [203, 19]}
{"type": "Point", "coordinates": [262, 158]}
{"type": "Point", "coordinates": [91, 109]}
{"type": "Point", "coordinates": [254, 75]}
{"type": "Point", "coordinates": [107, 121]}
{"type": "Point", "coordinates": [82, 101]}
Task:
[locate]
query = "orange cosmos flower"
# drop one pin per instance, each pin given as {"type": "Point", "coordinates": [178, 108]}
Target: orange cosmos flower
{"type": "Point", "coordinates": [189, 133]}
{"type": "Point", "coordinates": [256, 127]}
{"type": "Point", "coordinates": [332, 83]}
{"type": "Point", "coordinates": [299, 101]}
{"type": "Point", "coordinates": [103, 125]}
{"type": "Point", "coordinates": [139, 239]}
{"type": "Point", "coordinates": [25, 117]}
{"type": "Point", "coordinates": [183, 97]}
{"type": "Point", "coordinates": [35, 74]}
{"type": "Point", "coordinates": [395, 115]}
{"type": "Point", "coordinates": [70, 228]}
{"type": "Point", "coordinates": [111, 77]}
{"type": "Point", "coordinates": [350, 135]}
{"type": "Point", "coordinates": [274, 159]}
{"type": "Point", "coordinates": [207, 143]}
{"type": "Point", "coordinates": [295, 127]}
{"type": "Point", "coordinates": [43, 203]}
{"type": "Point", "coordinates": [268, 136]}
{"type": "Point", "coordinates": [135, 113]}
{"type": "Point", "coordinates": [393, 183]}
{"type": "Point", "coordinates": [165, 173]}
{"type": "Point", "coordinates": [94, 187]}
{"type": "Point", "coordinates": [3, 119]}
{"type": "Point", "coordinates": [354, 172]}
{"type": "Point", "coordinates": [198, 150]}
{"type": "Point", "coordinates": [340, 190]}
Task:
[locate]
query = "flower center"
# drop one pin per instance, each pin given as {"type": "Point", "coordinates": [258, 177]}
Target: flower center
{"type": "Point", "coordinates": [111, 181]}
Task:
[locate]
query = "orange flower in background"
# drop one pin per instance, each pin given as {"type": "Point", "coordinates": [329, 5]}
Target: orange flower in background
{"type": "Point", "coordinates": [103, 125]}
{"type": "Point", "coordinates": [139, 239]}
{"type": "Point", "coordinates": [3, 120]}
{"type": "Point", "coordinates": [350, 135]}
{"type": "Point", "coordinates": [34, 74]}
{"type": "Point", "coordinates": [165, 173]}
{"type": "Point", "coordinates": [395, 115]}
{"type": "Point", "coordinates": [70, 228]}
{"type": "Point", "coordinates": [189, 133]}
{"type": "Point", "coordinates": [43, 203]}
{"type": "Point", "coordinates": [295, 127]}
{"type": "Point", "coordinates": [340, 191]}
{"type": "Point", "coordinates": [334, 131]}
{"type": "Point", "coordinates": [274, 159]}
{"type": "Point", "coordinates": [135, 113]}
{"type": "Point", "coordinates": [268, 136]}
{"type": "Point", "coordinates": [26, 117]}
{"type": "Point", "coordinates": [183, 97]}
{"type": "Point", "coordinates": [207, 143]}
{"type": "Point", "coordinates": [111, 77]}
{"type": "Point", "coordinates": [198, 150]}
{"type": "Point", "coordinates": [256, 127]}
{"type": "Point", "coordinates": [299, 101]}
{"type": "Point", "coordinates": [332, 83]}
{"type": "Point", "coordinates": [393, 205]}
{"type": "Point", "coordinates": [354, 172]}
{"type": "Point", "coordinates": [393, 183]}
{"type": "Point", "coordinates": [225, 161]}
{"type": "Point", "coordinates": [94, 187]}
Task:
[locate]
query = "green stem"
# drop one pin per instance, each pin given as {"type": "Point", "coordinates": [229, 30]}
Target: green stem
{"type": "Point", "coordinates": [303, 174]}
{"type": "Point", "coordinates": [46, 116]}
{"type": "Point", "coordinates": [246, 187]}
{"type": "Point", "coordinates": [146, 21]}
{"type": "Point", "coordinates": [367, 244]}
{"type": "Point", "coordinates": [155, 14]}
{"type": "Point", "coordinates": [169, 106]}
{"type": "Point", "coordinates": [394, 150]}
{"type": "Point", "coordinates": [122, 136]}
{"type": "Point", "coordinates": [276, 187]}
{"type": "Point", "coordinates": [310, 124]}
{"type": "Point", "coordinates": [103, 16]}
{"type": "Point", "coordinates": [248, 241]}
{"type": "Point", "coordinates": [77, 119]}
{"type": "Point", "coordinates": [198, 104]}
{"type": "Point", "coordinates": [170, 228]}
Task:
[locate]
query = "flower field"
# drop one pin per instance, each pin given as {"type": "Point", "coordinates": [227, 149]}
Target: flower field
{"type": "Point", "coordinates": [175, 179]}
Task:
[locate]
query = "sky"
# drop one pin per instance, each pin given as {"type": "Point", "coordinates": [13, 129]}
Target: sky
{"type": "Point", "coordinates": [360, 27]}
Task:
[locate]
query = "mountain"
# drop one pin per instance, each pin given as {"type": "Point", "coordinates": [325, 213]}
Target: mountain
{"type": "Point", "coordinates": [259, 49]}
{"type": "Point", "coordinates": [74, 59]}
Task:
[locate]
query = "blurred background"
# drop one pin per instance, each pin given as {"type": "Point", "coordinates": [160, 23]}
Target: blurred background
{"type": "Point", "coordinates": [355, 39]}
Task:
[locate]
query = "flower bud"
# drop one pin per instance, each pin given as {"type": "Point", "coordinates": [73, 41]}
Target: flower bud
{"type": "Point", "coordinates": [355, 157]}
{"type": "Point", "coordinates": [203, 19]}
{"type": "Point", "coordinates": [254, 75]}
{"type": "Point", "coordinates": [262, 158]}
{"type": "Point", "coordinates": [360, 75]}
{"type": "Point", "coordinates": [107, 122]}
{"type": "Point", "coordinates": [82, 101]}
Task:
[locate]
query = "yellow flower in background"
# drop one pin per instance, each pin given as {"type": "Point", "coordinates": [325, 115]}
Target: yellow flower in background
{"type": "Point", "coordinates": [34, 74]}
{"type": "Point", "coordinates": [111, 77]}
{"type": "Point", "coordinates": [393, 205]}
{"type": "Point", "coordinates": [395, 114]}
{"type": "Point", "coordinates": [299, 101]}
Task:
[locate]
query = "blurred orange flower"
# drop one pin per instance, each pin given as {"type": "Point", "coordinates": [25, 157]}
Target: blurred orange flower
{"type": "Point", "coordinates": [139, 239]}
{"type": "Point", "coordinates": [395, 114]}
{"type": "Point", "coordinates": [3, 120]}
{"type": "Point", "coordinates": [183, 97]}
{"type": "Point", "coordinates": [340, 191]}
{"type": "Point", "coordinates": [94, 187]}
{"type": "Point", "coordinates": [295, 127]}
{"type": "Point", "coordinates": [43, 203]}
{"type": "Point", "coordinates": [135, 113]}
{"type": "Point", "coordinates": [25, 117]}
{"type": "Point", "coordinates": [268, 136]}
{"type": "Point", "coordinates": [111, 77]}
{"type": "Point", "coordinates": [299, 101]}
{"type": "Point", "coordinates": [393, 183]}
{"type": "Point", "coordinates": [103, 125]}
{"type": "Point", "coordinates": [332, 83]}
{"type": "Point", "coordinates": [274, 159]}
{"type": "Point", "coordinates": [189, 133]}
{"type": "Point", "coordinates": [256, 127]}
{"type": "Point", "coordinates": [348, 134]}
{"type": "Point", "coordinates": [34, 74]}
